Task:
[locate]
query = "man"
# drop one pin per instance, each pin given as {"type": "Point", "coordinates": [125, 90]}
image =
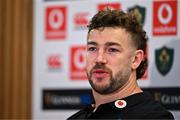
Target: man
{"type": "Point", "coordinates": [116, 45]}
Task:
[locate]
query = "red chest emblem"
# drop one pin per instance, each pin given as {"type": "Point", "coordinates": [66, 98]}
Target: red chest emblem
{"type": "Point", "coordinates": [120, 103]}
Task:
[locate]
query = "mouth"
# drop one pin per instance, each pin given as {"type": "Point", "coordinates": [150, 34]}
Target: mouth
{"type": "Point", "coordinates": [100, 73]}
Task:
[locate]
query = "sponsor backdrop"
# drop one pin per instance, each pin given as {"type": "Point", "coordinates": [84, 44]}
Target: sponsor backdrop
{"type": "Point", "coordinates": [60, 86]}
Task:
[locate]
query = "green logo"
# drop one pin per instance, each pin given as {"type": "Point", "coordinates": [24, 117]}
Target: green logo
{"type": "Point", "coordinates": [164, 59]}
{"type": "Point", "coordinates": [140, 11]}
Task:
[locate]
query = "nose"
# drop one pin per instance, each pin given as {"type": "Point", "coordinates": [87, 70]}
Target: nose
{"type": "Point", "coordinates": [101, 58]}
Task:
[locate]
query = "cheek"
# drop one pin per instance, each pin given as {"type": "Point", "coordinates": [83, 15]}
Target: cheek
{"type": "Point", "coordinates": [117, 65]}
{"type": "Point", "coordinates": [89, 62]}
{"type": "Point", "coordinates": [121, 65]}
{"type": "Point", "coordinates": [90, 57]}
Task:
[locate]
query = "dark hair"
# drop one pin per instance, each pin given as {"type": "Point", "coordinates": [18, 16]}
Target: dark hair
{"type": "Point", "coordinates": [128, 21]}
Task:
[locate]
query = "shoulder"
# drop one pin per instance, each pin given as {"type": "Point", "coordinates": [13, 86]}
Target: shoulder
{"type": "Point", "coordinates": [154, 110]}
{"type": "Point", "coordinates": [141, 106]}
{"type": "Point", "coordinates": [144, 107]}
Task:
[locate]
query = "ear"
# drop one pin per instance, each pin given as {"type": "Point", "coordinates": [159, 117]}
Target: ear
{"type": "Point", "coordinates": [139, 56]}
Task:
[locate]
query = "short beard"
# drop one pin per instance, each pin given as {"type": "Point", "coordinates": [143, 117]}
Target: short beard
{"type": "Point", "coordinates": [115, 82]}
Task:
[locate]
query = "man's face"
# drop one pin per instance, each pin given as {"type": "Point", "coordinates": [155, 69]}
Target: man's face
{"type": "Point", "coordinates": [109, 59]}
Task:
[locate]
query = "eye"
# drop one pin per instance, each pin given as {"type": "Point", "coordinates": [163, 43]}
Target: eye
{"type": "Point", "coordinates": [92, 49]}
{"type": "Point", "coordinates": [113, 50]}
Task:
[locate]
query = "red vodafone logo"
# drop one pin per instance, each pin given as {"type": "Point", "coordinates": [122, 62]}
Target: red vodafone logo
{"type": "Point", "coordinates": [165, 17]}
{"type": "Point", "coordinates": [115, 5]}
{"type": "Point", "coordinates": [56, 22]}
{"type": "Point", "coordinates": [78, 63]}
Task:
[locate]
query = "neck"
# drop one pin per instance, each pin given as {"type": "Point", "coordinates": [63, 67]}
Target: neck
{"type": "Point", "coordinates": [131, 87]}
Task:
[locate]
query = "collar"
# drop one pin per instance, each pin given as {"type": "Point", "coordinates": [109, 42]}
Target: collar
{"type": "Point", "coordinates": [124, 103]}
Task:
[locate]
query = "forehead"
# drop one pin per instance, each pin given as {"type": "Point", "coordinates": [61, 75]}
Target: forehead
{"type": "Point", "coordinates": [109, 34]}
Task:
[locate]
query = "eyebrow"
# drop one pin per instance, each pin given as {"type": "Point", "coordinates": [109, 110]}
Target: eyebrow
{"type": "Point", "coordinates": [92, 43]}
{"type": "Point", "coordinates": [107, 44]}
{"type": "Point", "coordinates": [112, 43]}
